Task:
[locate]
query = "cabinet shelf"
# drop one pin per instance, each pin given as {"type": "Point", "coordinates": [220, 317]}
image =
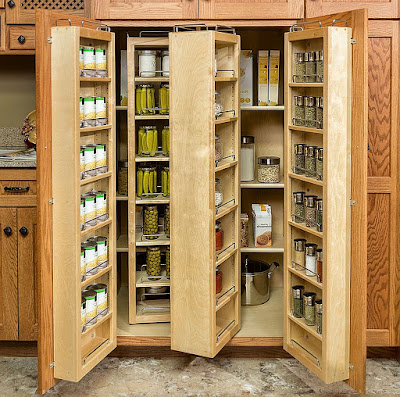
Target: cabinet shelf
{"type": "Point", "coordinates": [140, 283]}
{"type": "Point", "coordinates": [258, 185]}
{"type": "Point", "coordinates": [91, 279]}
{"type": "Point", "coordinates": [153, 117]}
{"type": "Point", "coordinates": [225, 79]}
{"type": "Point", "coordinates": [262, 108]}
{"type": "Point", "coordinates": [160, 199]}
{"type": "Point", "coordinates": [306, 85]}
{"type": "Point", "coordinates": [223, 300]}
{"type": "Point", "coordinates": [303, 178]}
{"type": "Point", "coordinates": [97, 128]}
{"type": "Point", "coordinates": [96, 344]}
{"type": "Point", "coordinates": [277, 245]}
{"type": "Point", "coordinates": [140, 159]}
{"type": "Point", "coordinates": [95, 79]}
{"type": "Point", "coordinates": [225, 256]}
{"type": "Point", "coordinates": [223, 165]}
{"type": "Point", "coordinates": [306, 129]}
{"type": "Point", "coordinates": [96, 227]}
{"type": "Point", "coordinates": [121, 107]}
{"type": "Point", "coordinates": [153, 311]}
{"type": "Point", "coordinates": [303, 227]}
{"type": "Point", "coordinates": [96, 178]}
{"type": "Point", "coordinates": [121, 197]}
{"type": "Point", "coordinates": [100, 321]}
{"type": "Point", "coordinates": [151, 79]}
{"type": "Point", "coordinates": [162, 240]}
{"type": "Point", "coordinates": [223, 120]}
{"type": "Point", "coordinates": [312, 329]}
{"type": "Point", "coordinates": [225, 211]}
{"type": "Point", "coordinates": [122, 243]}
{"type": "Point", "coordinates": [302, 275]}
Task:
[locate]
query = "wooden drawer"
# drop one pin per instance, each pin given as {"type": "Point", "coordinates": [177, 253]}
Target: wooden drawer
{"type": "Point", "coordinates": [21, 37]}
{"type": "Point", "coordinates": [17, 188]}
{"type": "Point", "coordinates": [11, 195]}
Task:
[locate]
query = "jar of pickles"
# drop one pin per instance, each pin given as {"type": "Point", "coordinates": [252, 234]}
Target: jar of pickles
{"type": "Point", "coordinates": [146, 182]}
{"type": "Point", "coordinates": [147, 141]}
{"type": "Point", "coordinates": [123, 177]}
{"type": "Point", "coordinates": [150, 222]}
{"type": "Point", "coordinates": [163, 99]}
{"type": "Point", "coordinates": [165, 181]}
{"type": "Point", "coordinates": [165, 141]}
{"type": "Point", "coordinates": [153, 261]}
{"type": "Point", "coordinates": [299, 111]}
{"type": "Point", "coordinates": [299, 211]}
{"type": "Point", "coordinates": [167, 221]}
{"type": "Point", "coordinates": [145, 101]}
{"type": "Point", "coordinates": [300, 68]}
{"type": "Point", "coordinates": [168, 261]}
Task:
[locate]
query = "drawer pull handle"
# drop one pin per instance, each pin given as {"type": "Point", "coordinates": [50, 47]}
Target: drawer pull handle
{"type": "Point", "coordinates": [23, 231]}
{"type": "Point", "coordinates": [7, 230]}
{"type": "Point", "coordinates": [16, 189]}
{"type": "Point", "coordinates": [11, 3]}
{"type": "Point", "coordinates": [21, 39]}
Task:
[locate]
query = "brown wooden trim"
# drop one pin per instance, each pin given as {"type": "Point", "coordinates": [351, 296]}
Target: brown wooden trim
{"type": "Point", "coordinates": [378, 337]}
{"type": "Point", "coordinates": [23, 201]}
{"type": "Point", "coordinates": [18, 174]}
{"type": "Point", "coordinates": [379, 184]}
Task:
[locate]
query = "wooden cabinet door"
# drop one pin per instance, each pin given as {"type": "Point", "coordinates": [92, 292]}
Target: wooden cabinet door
{"type": "Point", "coordinates": [27, 273]}
{"type": "Point", "coordinates": [376, 8]}
{"type": "Point", "coordinates": [8, 274]}
{"type": "Point", "coordinates": [144, 9]}
{"type": "Point", "coordinates": [248, 9]}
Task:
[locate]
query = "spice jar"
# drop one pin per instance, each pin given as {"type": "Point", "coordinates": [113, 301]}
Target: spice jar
{"type": "Point", "coordinates": [147, 141]}
{"type": "Point", "coordinates": [219, 236]}
{"type": "Point", "coordinates": [319, 214]}
{"type": "Point", "coordinates": [218, 281]}
{"type": "Point", "coordinates": [319, 65]}
{"type": "Point", "coordinates": [218, 148]}
{"type": "Point", "coordinates": [310, 66]}
{"type": "Point", "coordinates": [165, 181]}
{"type": "Point", "coordinates": [310, 165]}
{"type": "Point", "coordinates": [311, 259]}
{"type": "Point", "coordinates": [310, 210]}
{"type": "Point", "coordinates": [123, 177]}
{"type": "Point", "coordinates": [153, 261]}
{"type": "Point", "coordinates": [300, 68]}
{"type": "Point", "coordinates": [165, 141]}
{"type": "Point", "coordinates": [147, 63]}
{"type": "Point", "coordinates": [310, 112]}
{"type": "Point", "coordinates": [218, 106]}
{"type": "Point", "coordinates": [168, 261]}
{"type": "Point", "coordinates": [299, 253]}
{"type": "Point", "coordinates": [319, 112]}
{"type": "Point", "coordinates": [299, 111]}
{"type": "Point", "coordinates": [150, 222]}
{"type": "Point", "coordinates": [319, 264]}
{"type": "Point", "coordinates": [244, 230]}
{"type": "Point", "coordinates": [247, 159]}
{"type": "Point", "coordinates": [167, 221]}
{"type": "Point", "coordinates": [297, 300]}
{"type": "Point", "coordinates": [165, 63]}
{"type": "Point", "coordinates": [309, 307]}
{"type": "Point", "coordinates": [299, 211]}
{"type": "Point", "coordinates": [318, 315]}
{"type": "Point", "coordinates": [145, 101]}
{"type": "Point", "coordinates": [146, 182]}
{"type": "Point", "coordinates": [219, 196]}
{"type": "Point", "coordinates": [163, 99]}
{"type": "Point", "coordinates": [268, 169]}
{"type": "Point", "coordinates": [299, 158]}
{"type": "Point", "coordinates": [319, 163]}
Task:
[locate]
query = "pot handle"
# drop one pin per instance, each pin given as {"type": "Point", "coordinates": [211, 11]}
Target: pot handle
{"type": "Point", "coordinates": [276, 265]}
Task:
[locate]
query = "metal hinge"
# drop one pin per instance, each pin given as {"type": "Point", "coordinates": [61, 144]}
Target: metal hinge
{"type": "Point", "coordinates": [51, 201]}
{"type": "Point", "coordinates": [351, 366]}
{"type": "Point", "coordinates": [49, 40]}
{"type": "Point", "coordinates": [52, 365]}
{"type": "Point", "coordinates": [353, 41]}
{"type": "Point", "coordinates": [352, 203]}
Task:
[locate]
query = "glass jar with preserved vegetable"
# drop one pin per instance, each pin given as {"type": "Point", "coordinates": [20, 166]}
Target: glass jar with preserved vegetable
{"type": "Point", "coordinates": [268, 170]}
{"type": "Point", "coordinates": [318, 315]}
{"type": "Point", "coordinates": [147, 63]}
{"type": "Point", "coordinates": [165, 181]}
{"type": "Point", "coordinates": [319, 264]}
{"type": "Point", "coordinates": [299, 210]}
{"type": "Point", "coordinates": [165, 141]}
{"type": "Point", "coordinates": [147, 141]}
{"type": "Point", "coordinates": [163, 99]}
{"type": "Point", "coordinates": [299, 253]}
{"type": "Point", "coordinates": [310, 112]}
{"type": "Point", "coordinates": [168, 261]}
{"type": "Point", "coordinates": [299, 111]}
{"type": "Point", "coordinates": [297, 300]}
{"type": "Point", "coordinates": [300, 68]}
{"type": "Point", "coordinates": [311, 259]}
{"type": "Point", "coordinates": [320, 214]}
{"type": "Point", "coordinates": [145, 101]}
{"type": "Point", "coordinates": [150, 222]}
{"type": "Point", "coordinates": [153, 261]}
{"type": "Point", "coordinates": [123, 177]}
{"type": "Point", "coordinates": [165, 63]}
{"type": "Point", "coordinates": [219, 236]}
{"type": "Point", "coordinates": [310, 164]}
{"type": "Point", "coordinates": [219, 153]}
{"type": "Point", "coordinates": [319, 163]}
{"type": "Point", "coordinates": [311, 215]}
{"type": "Point", "coordinates": [309, 307]}
{"type": "Point", "coordinates": [146, 182]}
{"type": "Point", "coordinates": [219, 196]}
{"type": "Point", "coordinates": [310, 66]}
{"type": "Point", "coordinates": [319, 61]}
{"type": "Point", "coordinates": [167, 221]}
{"type": "Point", "coordinates": [319, 112]}
{"type": "Point", "coordinates": [299, 158]}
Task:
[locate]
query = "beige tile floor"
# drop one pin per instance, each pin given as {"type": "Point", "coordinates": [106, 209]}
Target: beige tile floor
{"type": "Point", "coordinates": [197, 377]}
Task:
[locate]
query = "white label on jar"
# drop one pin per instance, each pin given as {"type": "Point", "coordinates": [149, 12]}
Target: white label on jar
{"type": "Point", "coordinates": [83, 314]}
{"type": "Point", "coordinates": [89, 58]}
{"type": "Point", "coordinates": [83, 263]}
{"type": "Point", "coordinates": [81, 60]}
{"type": "Point", "coordinates": [147, 65]}
{"type": "Point", "coordinates": [89, 106]}
{"type": "Point", "coordinates": [90, 208]}
{"type": "Point", "coordinates": [101, 251]}
{"type": "Point", "coordinates": [101, 300]}
{"type": "Point", "coordinates": [310, 265]}
{"type": "Point", "coordinates": [90, 159]}
{"type": "Point", "coordinates": [91, 308]}
{"type": "Point", "coordinates": [165, 65]}
{"type": "Point", "coordinates": [101, 160]}
{"type": "Point", "coordinates": [101, 204]}
{"type": "Point", "coordinates": [90, 258]}
{"type": "Point", "coordinates": [101, 112]}
{"type": "Point", "coordinates": [101, 59]}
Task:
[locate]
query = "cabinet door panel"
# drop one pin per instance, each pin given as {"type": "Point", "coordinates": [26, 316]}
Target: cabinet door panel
{"type": "Point", "coordinates": [8, 275]}
{"type": "Point", "coordinates": [27, 273]}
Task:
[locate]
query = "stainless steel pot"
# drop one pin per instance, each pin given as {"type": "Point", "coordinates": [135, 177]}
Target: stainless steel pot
{"type": "Point", "coordinates": [256, 281]}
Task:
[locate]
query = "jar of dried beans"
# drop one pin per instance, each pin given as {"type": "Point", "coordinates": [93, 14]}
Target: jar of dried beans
{"type": "Point", "coordinates": [310, 210]}
{"type": "Point", "coordinates": [299, 111]}
{"type": "Point", "coordinates": [319, 214]}
{"type": "Point", "coordinates": [310, 165]}
{"type": "Point", "coordinates": [319, 163]}
{"type": "Point", "coordinates": [319, 112]}
{"type": "Point", "coordinates": [299, 158]}
{"type": "Point", "coordinates": [309, 307]}
{"type": "Point", "coordinates": [319, 62]}
{"type": "Point", "coordinates": [300, 68]}
{"type": "Point", "coordinates": [310, 112]}
{"type": "Point", "coordinates": [299, 211]}
{"type": "Point", "coordinates": [310, 66]}
{"type": "Point", "coordinates": [297, 300]}
{"type": "Point", "coordinates": [268, 169]}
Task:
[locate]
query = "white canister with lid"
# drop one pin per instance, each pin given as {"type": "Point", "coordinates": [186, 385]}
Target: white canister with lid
{"type": "Point", "coordinates": [147, 63]}
{"type": "Point", "coordinates": [165, 63]}
{"type": "Point", "coordinates": [247, 159]}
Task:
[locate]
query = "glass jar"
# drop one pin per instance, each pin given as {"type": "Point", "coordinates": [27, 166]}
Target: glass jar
{"type": "Point", "coordinates": [310, 112]}
{"type": "Point", "coordinates": [123, 177]}
{"type": "Point", "coordinates": [310, 165]}
{"type": "Point", "coordinates": [165, 63]}
{"type": "Point", "coordinates": [145, 100]}
{"type": "Point", "coordinates": [168, 261]}
{"type": "Point", "coordinates": [311, 259]}
{"type": "Point", "coordinates": [310, 210]}
{"type": "Point", "coordinates": [150, 222]}
{"type": "Point", "coordinates": [297, 300]}
{"type": "Point", "coordinates": [268, 170]}
{"type": "Point", "coordinates": [319, 112]}
{"type": "Point", "coordinates": [147, 141]}
{"type": "Point", "coordinates": [163, 99]}
{"type": "Point", "coordinates": [218, 281]}
{"type": "Point", "coordinates": [300, 68]}
{"type": "Point", "coordinates": [319, 61]}
{"type": "Point", "coordinates": [244, 230]}
{"type": "Point", "coordinates": [319, 264]}
{"type": "Point", "coordinates": [219, 196]}
{"type": "Point", "coordinates": [299, 210]}
{"type": "Point", "coordinates": [310, 66]}
{"type": "Point", "coordinates": [165, 141]}
{"type": "Point", "coordinates": [320, 214]}
{"type": "Point", "coordinates": [299, 253]}
{"type": "Point", "coordinates": [147, 63]}
{"type": "Point", "coordinates": [319, 163]}
{"type": "Point", "coordinates": [299, 158]}
{"type": "Point", "coordinates": [165, 181]}
{"type": "Point", "coordinates": [219, 236]}
{"type": "Point", "coordinates": [318, 315]}
{"type": "Point", "coordinates": [299, 111]}
{"type": "Point", "coordinates": [146, 182]}
{"type": "Point", "coordinates": [309, 307]}
{"type": "Point", "coordinates": [167, 221]}
{"type": "Point", "coordinates": [153, 261]}
{"type": "Point", "coordinates": [247, 159]}
{"type": "Point", "coordinates": [219, 153]}
{"type": "Point", "coordinates": [218, 106]}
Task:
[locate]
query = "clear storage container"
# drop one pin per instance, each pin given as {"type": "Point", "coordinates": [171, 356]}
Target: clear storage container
{"type": "Point", "coordinates": [268, 170]}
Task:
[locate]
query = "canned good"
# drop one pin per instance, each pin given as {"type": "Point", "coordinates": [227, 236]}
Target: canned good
{"type": "Point", "coordinates": [101, 111]}
{"type": "Point", "coordinates": [83, 314]}
{"type": "Point", "coordinates": [89, 62]}
{"type": "Point", "coordinates": [102, 250]}
{"type": "Point", "coordinates": [89, 153]}
{"type": "Point", "coordinates": [89, 109]}
{"type": "Point", "coordinates": [82, 162]}
{"type": "Point", "coordinates": [82, 213]}
{"type": "Point", "coordinates": [101, 205]}
{"type": "Point", "coordinates": [83, 265]}
{"type": "Point", "coordinates": [101, 159]}
{"type": "Point", "coordinates": [89, 248]}
{"type": "Point", "coordinates": [101, 62]}
{"type": "Point", "coordinates": [81, 61]}
{"type": "Point", "coordinates": [91, 306]}
{"type": "Point", "coordinates": [101, 298]}
{"type": "Point", "coordinates": [90, 209]}
{"type": "Point", "coordinates": [81, 113]}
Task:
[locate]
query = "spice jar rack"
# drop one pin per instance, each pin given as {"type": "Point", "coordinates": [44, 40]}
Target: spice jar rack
{"type": "Point", "coordinates": [327, 353]}
{"type": "Point", "coordinates": [79, 345]}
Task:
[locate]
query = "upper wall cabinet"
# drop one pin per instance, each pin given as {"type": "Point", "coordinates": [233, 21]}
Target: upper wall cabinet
{"type": "Point", "coordinates": [142, 9]}
{"type": "Point", "coordinates": [376, 8]}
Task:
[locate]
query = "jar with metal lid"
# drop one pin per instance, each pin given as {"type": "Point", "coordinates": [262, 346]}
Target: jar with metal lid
{"type": "Point", "coordinates": [219, 152]}
{"type": "Point", "coordinates": [150, 222]}
{"type": "Point", "coordinates": [311, 259]}
{"type": "Point", "coordinates": [167, 221]}
{"type": "Point", "coordinates": [319, 112]}
{"type": "Point", "coordinates": [310, 112]}
{"type": "Point", "coordinates": [268, 170]}
{"type": "Point", "coordinates": [165, 63]}
{"type": "Point", "coordinates": [218, 281]}
{"type": "Point", "coordinates": [300, 68]}
{"type": "Point", "coordinates": [299, 111]}
{"type": "Point", "coordinates": [310, 164]}
{"type": "Point", "coordinates": [147, 141]}
{"type": "Point", "coordinates": [83, 313]}
{"type": "Point", "coordinates": [319, 62]}
{"type": "Point", "coordinates": [310, 66]}
{"type": "Point", "coordinates": [297, 300]}
{"type": "Point", "coordinates": [319, 163]}
{"type": "Point", "coordinates": [299, 210]}
{"type": "Point", "coordinates": [146, 182]}
{"type": "Point", "coordinates": [299, 253]}
{"type": "Point", "coordinates": [153, 261]}
{"type": "Point", "coordinates": [247, 159]}
{"type": "Point", "coordinates": [123, 177]}
{"type": "Point", "coordinates": [319, 214]}
{"type": "Point", "coordinates": [299, 158]}
{"type": "Point", "coordinates": [319, 264]}
{"type": "Point", "coordinates": [165, 181]}
{"type": "Point", "coordinates": [145, 100]}
{"type": "Point", "coordinates": [309, 307]}
{"type": "Point", "coordinates": [310, 210]}
{"type": "Point", "coordinates": [165, 141]}
{"type": "Point", "coordinates": [218, 106]}
{"type": "Point", "coordinates": [318, 315]}
{"type": "Point", "coordinates": [168, 261]}
{"type": "Point", "coordinates": [147, 63]}
{"type": "Point", "coordinates": [219, 236]}
{"type": "Point", "coordinates": [163, 99]}
{"type": "Point", "coordinates": [219, 196]}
